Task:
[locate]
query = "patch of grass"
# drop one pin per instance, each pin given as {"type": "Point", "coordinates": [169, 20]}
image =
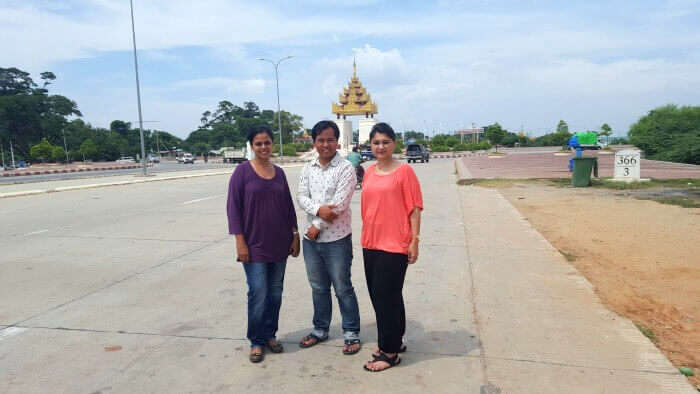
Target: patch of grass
{"type": "Point", "coordinates": [647, 332]}
{"type": "Point", "coordinates": [678, 201]}
{"type": "Point", "coordinates": [570, 257]}
{"type": "Point", "coordinates": [608, 183]}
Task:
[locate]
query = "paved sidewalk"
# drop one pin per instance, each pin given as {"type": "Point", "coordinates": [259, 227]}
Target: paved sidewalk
{"type": "Point", "coordinates": [542, 328]}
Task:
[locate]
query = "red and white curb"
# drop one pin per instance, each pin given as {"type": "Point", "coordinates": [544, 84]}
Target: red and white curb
{"type": "Point", "coordinates": [65, 170]}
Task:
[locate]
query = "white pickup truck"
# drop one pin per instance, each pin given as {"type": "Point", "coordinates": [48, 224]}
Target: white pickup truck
{"type": "Point", "coordinates": [235, 155]}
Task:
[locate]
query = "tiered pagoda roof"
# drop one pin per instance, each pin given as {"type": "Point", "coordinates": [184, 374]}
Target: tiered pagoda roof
{"type": "Point", "coordinates": [354, 100]}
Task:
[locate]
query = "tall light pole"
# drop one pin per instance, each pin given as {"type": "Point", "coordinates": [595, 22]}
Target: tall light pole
{"type": "Point", "coordinates": [279, 112]}
{"type": "Point", "coordinates": [12, 153]}
{"type": "Point", "coordinates": [65, 146]}
{"type": "Point", "coordinates": [138, 89]}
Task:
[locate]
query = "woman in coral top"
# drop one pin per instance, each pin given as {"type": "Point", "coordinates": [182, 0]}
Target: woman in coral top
{"type": "Point", "coordinates": [391, 209]}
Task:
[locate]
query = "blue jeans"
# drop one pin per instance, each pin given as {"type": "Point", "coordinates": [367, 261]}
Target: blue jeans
{"type": "Point", "coordinates": [264, 300]}
{"type": "Point", "coordinates": [329, 263]}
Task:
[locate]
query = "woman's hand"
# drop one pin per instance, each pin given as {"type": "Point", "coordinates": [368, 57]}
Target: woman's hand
{"type": "Point", "coordinates": [294, 248]}
{"type": "Point", "coordinates": [413, 251]}
{"type": "Point", "coordinates": [242, 250]}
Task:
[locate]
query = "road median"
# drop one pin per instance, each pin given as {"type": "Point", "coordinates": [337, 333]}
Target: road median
{"type": "Point", "coordinates": [51, 187]}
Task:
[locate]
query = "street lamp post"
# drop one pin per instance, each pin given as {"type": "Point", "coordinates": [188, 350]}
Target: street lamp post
{"type": "Point", "coordinates": [279, 112]}
{"type": "Point", "coordinates": [65, 146]}
{"type": "Point", "coordinates": [138, 89]}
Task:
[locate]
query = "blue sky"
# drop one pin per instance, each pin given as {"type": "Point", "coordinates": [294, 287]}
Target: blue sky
{"type": "Point", "coordinates": [428, 65]}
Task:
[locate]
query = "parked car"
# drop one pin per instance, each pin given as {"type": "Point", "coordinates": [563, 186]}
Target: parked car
{"type": "Point", "coordinates": [415, 152]}
{"type": "Point", "coordinates": [367, 155]}
{"type": "Point", "coordinates": [126, 159]}
{"type": "Point", "coordinates": [153, 158]}
{"type": "Point", "coordinates": [187, 158]}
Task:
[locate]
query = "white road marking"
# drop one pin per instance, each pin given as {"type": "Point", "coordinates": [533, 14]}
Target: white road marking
{"type": "Point", "coordinates": [35, 232]}
{"type": "Point", "coordinates": [202, 199]}
{"type": "Point", "coordinates": [11, 331]}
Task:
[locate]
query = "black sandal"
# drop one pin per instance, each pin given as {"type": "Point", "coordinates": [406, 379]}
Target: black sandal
{"type": "Point", "coordinates": [311, 337]}
{"type": "Point", "coordinates": [276, 348]}
{"type": "Point", "coordinates": [392, 361]}
{"type": "Point", "coordinates": [350, 342]}
{"type": "Point", "coordinates": [402, 349]}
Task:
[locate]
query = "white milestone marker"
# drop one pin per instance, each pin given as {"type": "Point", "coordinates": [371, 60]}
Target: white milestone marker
{"type": "Point", "coordinates": [627, 165]}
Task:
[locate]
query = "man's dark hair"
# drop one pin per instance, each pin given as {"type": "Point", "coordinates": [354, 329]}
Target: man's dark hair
{"type": "Point", "coordinates": [323, 125]}
{"type": "Point", "coordinates": [355, 149]}
{"type": "Point", "coordinates": [260, 130]}
{"type": "Point", "coordinates": [382, 128]}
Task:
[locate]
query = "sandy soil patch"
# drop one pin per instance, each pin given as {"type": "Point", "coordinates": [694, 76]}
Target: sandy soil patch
{"type": "Point", "coordinates": [643, 257]}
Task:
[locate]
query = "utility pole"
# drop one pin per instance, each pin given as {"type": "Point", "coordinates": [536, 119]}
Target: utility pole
{"type": "Point", "coordinates": [475, 131]}
{"type": "Point", "coordinates": [138, 90]}
{"type": "Point", "coordinates": [158, 144]}
{"type": "Point", "coordinates": [12, 153]}
{"type": "Point", "coordinates": [65, 146]}
{"type": "Point", "coordinates": [2, 150]}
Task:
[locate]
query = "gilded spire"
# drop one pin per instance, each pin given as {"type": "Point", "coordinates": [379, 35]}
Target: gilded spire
{"type": "Point", "coordinates": [354, 68]}
{"type": "Point", "coordinates": [354, 100]}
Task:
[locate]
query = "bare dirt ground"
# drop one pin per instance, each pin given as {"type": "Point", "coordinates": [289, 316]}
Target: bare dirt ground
{"type": "Point", "coordinates": [643, 257]}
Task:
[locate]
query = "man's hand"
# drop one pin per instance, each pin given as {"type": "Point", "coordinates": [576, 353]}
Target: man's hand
{"type": "Point", "coordinates": [326, 213]}
{"type": "Point", "coordinates": [313, 233]}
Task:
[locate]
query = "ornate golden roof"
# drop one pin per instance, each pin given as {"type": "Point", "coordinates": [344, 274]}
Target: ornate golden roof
{"type": "Point", "coordinates": [354, 100]}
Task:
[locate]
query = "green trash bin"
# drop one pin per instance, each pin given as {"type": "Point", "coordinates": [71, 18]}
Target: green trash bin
{"type": "Point", "coordinates": [583, 166]}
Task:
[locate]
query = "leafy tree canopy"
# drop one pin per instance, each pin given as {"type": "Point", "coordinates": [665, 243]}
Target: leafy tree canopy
{"type": "Point", "coordinates": [669, 133]}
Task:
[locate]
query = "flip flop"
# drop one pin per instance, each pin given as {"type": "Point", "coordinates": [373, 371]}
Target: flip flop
{"type": "Point", "coordinates": [350, 342]}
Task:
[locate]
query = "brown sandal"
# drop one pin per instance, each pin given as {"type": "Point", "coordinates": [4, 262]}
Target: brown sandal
{"type": "Point", "coordinates": [275, 346]}
{"type": "Point", "coordinates": [312, 340]}
{"type": "Point", "coordinates": [256, 357]}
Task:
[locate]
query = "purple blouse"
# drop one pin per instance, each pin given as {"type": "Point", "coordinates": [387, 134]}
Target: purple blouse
{"type": "Point", "coordinates": [262, 210]}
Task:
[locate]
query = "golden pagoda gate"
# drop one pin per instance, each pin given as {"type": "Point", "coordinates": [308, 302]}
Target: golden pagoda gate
{"type": "Point", "coordinates": [354, 100]}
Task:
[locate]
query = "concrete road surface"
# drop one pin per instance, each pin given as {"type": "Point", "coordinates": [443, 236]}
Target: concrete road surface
{"type": "Point", "coordinates": [133, 289]}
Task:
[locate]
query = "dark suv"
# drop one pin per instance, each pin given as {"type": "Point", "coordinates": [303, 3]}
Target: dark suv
{"type": "Point", "coordinates": [415, 152]}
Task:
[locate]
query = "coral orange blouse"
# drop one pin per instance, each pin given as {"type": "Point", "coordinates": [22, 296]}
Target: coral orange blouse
{"type": "Point", "coordinates": [387, 202]}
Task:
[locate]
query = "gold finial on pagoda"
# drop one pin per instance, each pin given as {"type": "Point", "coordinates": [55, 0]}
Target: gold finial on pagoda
{"type": "Point", "coordinates": [354, 100]}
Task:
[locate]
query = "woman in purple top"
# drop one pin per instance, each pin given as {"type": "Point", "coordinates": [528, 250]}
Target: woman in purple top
{"type": "Point", "coordinates": [261, 215]}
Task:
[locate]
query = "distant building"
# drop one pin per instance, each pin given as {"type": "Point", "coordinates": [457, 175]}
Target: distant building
{"type": "Point", "coordinates": [471, 135]}
{"type": "Point", "coordinates": [470, 132]}
{"type": "Point", "coordinates": [303, 138]}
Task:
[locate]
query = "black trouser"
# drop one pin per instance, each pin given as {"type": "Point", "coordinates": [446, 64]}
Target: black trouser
{"type": "Point", "coordinates": [385, 273]}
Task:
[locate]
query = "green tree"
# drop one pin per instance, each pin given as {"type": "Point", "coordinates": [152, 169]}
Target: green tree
{"type": "Point", "coordinates": [495, 134]}
{"type": "Point", "coordinates": [42, 151]}
{"type": "Point", "coordinates": [29, 113]}
{"type": "Point", "coordinates": [58, 154]}
{"type": "Point", "coordinates": [669, 133]}
{"type": "Point", "coordinates": [562, 127]}
{"type": "Point", "coordinates": [605, 131]}
{"type": "Point", "coordinates": [88, 149]}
